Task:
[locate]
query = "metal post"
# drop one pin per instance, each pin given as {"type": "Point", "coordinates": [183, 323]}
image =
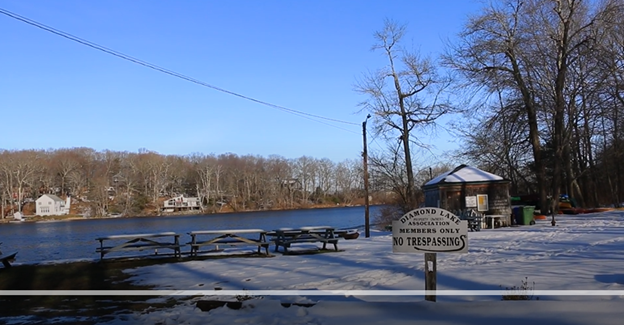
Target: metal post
{"type": "Point", "coordinates": [366, 203]}
{"type": "Point", "coordinates": [430, 276]}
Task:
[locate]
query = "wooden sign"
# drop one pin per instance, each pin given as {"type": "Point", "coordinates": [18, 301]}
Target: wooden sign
{"type": "Point", "coordinates": [429, 230]}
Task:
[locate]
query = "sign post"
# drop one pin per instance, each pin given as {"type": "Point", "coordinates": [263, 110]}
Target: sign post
{"type": "Point", "coordinates": [430, 231]}
{"type": "Point", "coordinates": [431, 278]}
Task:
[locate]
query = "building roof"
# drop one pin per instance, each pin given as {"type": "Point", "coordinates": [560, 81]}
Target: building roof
{"type": "Point", "coordinates": [53, 197]}
{"type": "Point", "coordinates": [464, 174]}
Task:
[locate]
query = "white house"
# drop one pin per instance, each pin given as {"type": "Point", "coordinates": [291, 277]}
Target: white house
{"type": "Point", "coordinates": [181, 203]}
{"type": "Point", "coordinates": [52, 205]}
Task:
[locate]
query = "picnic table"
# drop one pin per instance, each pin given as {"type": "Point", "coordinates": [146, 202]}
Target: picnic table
{"type": "Point", "coordinates": [285, 237]}
{"type": "Point", "coordinates": [496, 217]}
{"type": "Point", "coordinates": [139, 242]}
{"type": "Point", "coordinates": [229, 237]}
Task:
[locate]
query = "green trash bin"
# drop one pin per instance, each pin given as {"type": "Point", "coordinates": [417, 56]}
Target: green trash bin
{"type": "Point", "coordinates": [525, 216]}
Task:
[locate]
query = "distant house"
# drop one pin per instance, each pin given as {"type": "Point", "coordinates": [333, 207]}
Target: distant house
{"type": "Point", "coordinates": [292, 184]}
{"type": "Point", "coordinates": [181, 203]}
{"type": "Point", "coordinates": [51, 205]}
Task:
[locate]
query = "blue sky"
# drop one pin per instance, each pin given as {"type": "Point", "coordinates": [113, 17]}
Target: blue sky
{"type": "Point", "coordinates": [302, 55]}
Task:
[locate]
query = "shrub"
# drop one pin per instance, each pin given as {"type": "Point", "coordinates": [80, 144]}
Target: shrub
{"type": "Point", "coordinates": [386, 215]}
{"type": "Point", "coordinates": [522, 292]}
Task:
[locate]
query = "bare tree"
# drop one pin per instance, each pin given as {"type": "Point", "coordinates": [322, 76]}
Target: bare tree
{"type": "Point", "coordinates": [325, 172]}
{"type": "Point", "coordinates": [6, 181]}
{"type": "Point", "coordinates": [46, 177]}
{"type": "Point", "coordinates": [498, 142]}
{"type": "Point", "coordinates": [305, 173]}
{"type": "Point", "coordinates": [529, 50]}
{"type": "Point", "coordinates": [387, 171]}
{"type": "Point", "coordinates": [128, 179]}
{"type": "Point", "coordinates": [610, 151]}
{"type": "Point", "coordinates": [135, 183]}
{"type": "Point", "coordinates": [490, 54]}
{"type": "Point", "coordinates": [405, 96]}
{"type": "Point", "coordinates": [67, 161]}
{"type": "Point", "coordinates": [159, 169]}
{"type": "Point", "coordinates": [204, 166]}
{"type": "Point", "coordinates": [348, 178]}
{"type": "Point", "coordinates": [20, 169]}
{"type": "Point", "coordinates": [281, 172]}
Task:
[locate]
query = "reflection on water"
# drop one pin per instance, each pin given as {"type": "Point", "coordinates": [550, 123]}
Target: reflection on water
{"type": "Point", "coordinates": [75, 240]}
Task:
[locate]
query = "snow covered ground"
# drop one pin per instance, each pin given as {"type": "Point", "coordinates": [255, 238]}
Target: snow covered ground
{"type": "Point", "coordinates": [576, 269]}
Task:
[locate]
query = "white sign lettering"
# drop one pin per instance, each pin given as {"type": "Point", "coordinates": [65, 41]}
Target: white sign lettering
{"type": "Point", "coordinates": [429, 230]}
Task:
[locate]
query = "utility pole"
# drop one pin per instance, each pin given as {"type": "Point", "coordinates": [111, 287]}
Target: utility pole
{"type": "Point", "coordinates": [366, 203]}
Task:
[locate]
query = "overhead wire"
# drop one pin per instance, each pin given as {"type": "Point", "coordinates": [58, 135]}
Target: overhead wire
{"type": "Point", "coordinates": [374, 140]}
{"type": "Point", "coordinates": [170, 72]}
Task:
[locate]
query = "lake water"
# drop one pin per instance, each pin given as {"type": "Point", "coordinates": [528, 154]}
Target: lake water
{"type": "Point", "coordinates": [43, 242]}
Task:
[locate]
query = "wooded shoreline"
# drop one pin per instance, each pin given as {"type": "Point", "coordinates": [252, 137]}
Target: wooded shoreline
{"type": "Point", "coordinates": [71, 217]}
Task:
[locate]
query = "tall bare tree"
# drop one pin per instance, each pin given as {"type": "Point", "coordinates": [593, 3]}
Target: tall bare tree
{"type": "Point", "coordinates": [529, 49]}
{"type": "Point", "coordinates": [20, 170]}
{"type": "Point", "coordinates": [66, 162]}
{"type": "Point", "coordinates": [325, 172]}
{"type": "Point", "coordinates": [405, 96]}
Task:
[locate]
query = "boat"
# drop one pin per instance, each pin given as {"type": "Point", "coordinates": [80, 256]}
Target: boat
{"type": "Point", "coordinates": [350, 234]}
{"type": "Point", "coordinates": [7, 259]}
{"type": "Point", "coordinates": [17, 217]}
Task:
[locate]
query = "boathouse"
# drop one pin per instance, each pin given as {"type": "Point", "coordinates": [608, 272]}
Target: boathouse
{"type": "Point", "coordinates": [467, 187]}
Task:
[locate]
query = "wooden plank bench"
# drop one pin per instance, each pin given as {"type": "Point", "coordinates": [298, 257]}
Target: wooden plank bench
{"type": "Point", "coordinates": [228, 237]}
{"type": "Point", "coordinates": [285, 237]}
{"type": "Point", "coordinates": [139, 242]}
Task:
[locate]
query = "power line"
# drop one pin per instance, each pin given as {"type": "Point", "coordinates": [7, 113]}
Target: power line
{"type": "Point", "coordinates": [374, 139]}
{"type": "Point", "coordinates": [169, 72]}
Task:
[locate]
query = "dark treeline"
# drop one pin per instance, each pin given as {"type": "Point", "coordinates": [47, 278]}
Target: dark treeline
{"type": "Point", "coordinates": [136, 183]}
{"type": "Point", "coordinates": [539, 89]}
{"type": "Point", "coordinates": [548, 80]}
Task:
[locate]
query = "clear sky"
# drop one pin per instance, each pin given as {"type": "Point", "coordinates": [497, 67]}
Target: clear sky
{"type": "Point", "coordinates": [301, 55]}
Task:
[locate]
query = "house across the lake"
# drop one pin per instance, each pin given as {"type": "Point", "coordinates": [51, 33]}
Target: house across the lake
{"type": "Point", "coordinates": [52, 205]}
{"type": "Point", "coordinates": [179, 203]}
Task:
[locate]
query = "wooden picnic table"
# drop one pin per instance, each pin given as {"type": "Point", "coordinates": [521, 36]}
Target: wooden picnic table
{"type": "Point", "coordinates": [228, 237]}
{"type": "Point", "coordinates": [139, 242]}
{"type": "Point", "coordinates": [285, 237]}
{"type": "Point", "coordinates": [493, 218]}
